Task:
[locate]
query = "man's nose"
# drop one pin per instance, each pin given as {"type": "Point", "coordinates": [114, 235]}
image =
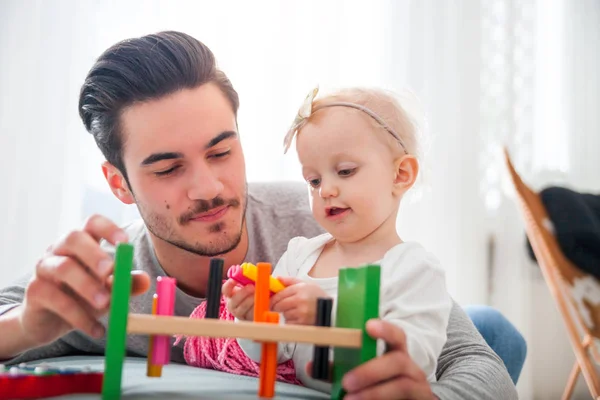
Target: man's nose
{"type": "Point", "coordinates": [204, 185]}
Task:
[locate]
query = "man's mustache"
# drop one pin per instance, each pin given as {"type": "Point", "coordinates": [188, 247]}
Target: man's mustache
{"type": "Point", "coordinates": [202, 206]}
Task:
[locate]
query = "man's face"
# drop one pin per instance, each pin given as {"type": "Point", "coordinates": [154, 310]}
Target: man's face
{"type": "Point", "coordinates": [186, 169]}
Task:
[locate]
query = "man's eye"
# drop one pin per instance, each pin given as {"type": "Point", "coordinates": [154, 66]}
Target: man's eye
{"type": "Point", "coordinates": [166, 171]}
{"type": "Point", "coordinates": [221, 155]}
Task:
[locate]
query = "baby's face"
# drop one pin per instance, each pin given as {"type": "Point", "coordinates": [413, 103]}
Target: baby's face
{"type": "Point", "coordinates": [350, 172]}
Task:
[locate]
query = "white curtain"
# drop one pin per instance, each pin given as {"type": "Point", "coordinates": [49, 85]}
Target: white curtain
{"type": "Point", "coordinates": [274, 52]}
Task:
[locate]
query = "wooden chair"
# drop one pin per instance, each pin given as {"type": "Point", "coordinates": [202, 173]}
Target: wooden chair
{"type": "Point", "coordinates": [574, 291]}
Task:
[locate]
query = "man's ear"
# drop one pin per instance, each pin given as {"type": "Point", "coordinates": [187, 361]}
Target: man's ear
{"type": "Point", "coordinates": [406, 172]}
{"type": "Point", "coordinates": [117, 183]}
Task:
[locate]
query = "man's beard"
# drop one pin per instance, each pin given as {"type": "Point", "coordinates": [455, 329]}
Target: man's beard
{"type": "Point", "coordinates": [162, 228]}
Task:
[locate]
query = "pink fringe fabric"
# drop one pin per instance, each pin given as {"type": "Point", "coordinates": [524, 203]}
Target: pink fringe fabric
{"type": "Point", "coordinates": [225, 354]}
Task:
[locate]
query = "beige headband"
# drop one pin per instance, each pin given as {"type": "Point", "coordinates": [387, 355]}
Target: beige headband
{"type": "Point", "coordinates": [306, 110]}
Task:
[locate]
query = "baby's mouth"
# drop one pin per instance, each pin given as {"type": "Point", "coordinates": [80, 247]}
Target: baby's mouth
{"type": "Point", "coordinates": [335, 210]}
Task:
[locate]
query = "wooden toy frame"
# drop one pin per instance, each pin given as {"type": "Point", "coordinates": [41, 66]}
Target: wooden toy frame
{"type": "Point", "coordinates": [358, 296]}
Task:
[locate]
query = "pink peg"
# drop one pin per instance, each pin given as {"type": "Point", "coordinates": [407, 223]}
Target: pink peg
{"type": "Point", "coordinates": [165, 289]}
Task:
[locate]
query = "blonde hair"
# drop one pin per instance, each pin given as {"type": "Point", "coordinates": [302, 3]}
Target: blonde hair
{"type": "Point", "coordinates": [387, 107]}
{"type": "Point", "coordinates": [401, 113]}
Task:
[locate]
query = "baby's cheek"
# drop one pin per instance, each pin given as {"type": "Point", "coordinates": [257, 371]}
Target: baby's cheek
{"type": "Point", "coordinates": [316, 208]}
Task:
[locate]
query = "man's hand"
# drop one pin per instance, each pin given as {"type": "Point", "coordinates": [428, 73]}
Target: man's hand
{"type": "Point", "coordinates": [298, 301]}
{"type": "Point", "coordinates": [71, 285]}
{"type": "Point", "coordinates": [392, 376]}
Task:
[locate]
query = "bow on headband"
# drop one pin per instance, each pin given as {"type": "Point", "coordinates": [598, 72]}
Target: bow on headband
{"type": "Point", "coordinates": [306, 110]}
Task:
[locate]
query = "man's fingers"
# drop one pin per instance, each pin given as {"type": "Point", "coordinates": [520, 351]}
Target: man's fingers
{"type": "Point", "coordinates": [395, 364]}
{"type": "Point", "coordinates": [140, 282]}
{"type": "Point", "coordinates": [48, 296]}
{"type": "Point", "coordinates": [392, 335]}
{"type": "Point", "coordinates": [100, 227]}
{"type": "Point", "coordinates": [401, 388]}
{"type": "Point", "coordinates": [67, 271]}
{"type": "Point", "coordinates": [86, 250]}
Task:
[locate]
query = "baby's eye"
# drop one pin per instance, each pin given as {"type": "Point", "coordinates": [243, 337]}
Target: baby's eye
{"type": "Point", "coordinates": [346, 172]}
{"type": "Point", "coordinates": [314, 182]}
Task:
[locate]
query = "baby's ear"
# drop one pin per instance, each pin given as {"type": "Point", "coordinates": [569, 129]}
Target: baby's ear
{"type": "Point", "coordinates": [406, 170]}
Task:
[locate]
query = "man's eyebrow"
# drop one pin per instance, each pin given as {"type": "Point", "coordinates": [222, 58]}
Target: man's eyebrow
{"type": "Point", "coordinates": [219, 138]}
{"type": "Point", "coordinates": [156, 157]}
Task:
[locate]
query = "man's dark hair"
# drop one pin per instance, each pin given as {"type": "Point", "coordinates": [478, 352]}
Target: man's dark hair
{"type": "Point", "coordinates": [141, 69]}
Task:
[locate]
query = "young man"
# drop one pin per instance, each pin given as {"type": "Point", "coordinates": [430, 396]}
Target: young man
{"type": "Point", "coordinates": [165, 119]}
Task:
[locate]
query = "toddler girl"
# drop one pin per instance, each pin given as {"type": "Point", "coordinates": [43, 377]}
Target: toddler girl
{"type": "Point", "coordinates": [358, 152]}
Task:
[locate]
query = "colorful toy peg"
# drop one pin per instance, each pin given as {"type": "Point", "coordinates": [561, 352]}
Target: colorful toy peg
{"type": "Point", "coordinates": [358, 301]}
{"type": "Point", "coordinates": [117, 323]}
{"type": "Point", "coordinates": [320, 367]}
{"type": "Point", "coordinates": [153, 370]}
{"type": "Point", "coordinates": [213, 292]}
{"type": "Point", "coordinates": [165, 288]}
{"type": "Point", "coordinates": [236, 272]}
{"type": "Point", "coordinates": [261, 294]}
{"type": "Point", "coordinates": [246, 274]}
{"type": "Point", "coordinates": [268, 362]}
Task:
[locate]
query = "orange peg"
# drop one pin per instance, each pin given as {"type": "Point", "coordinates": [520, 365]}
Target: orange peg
{"type": "Point", "coordinates": [153, 370]}
{"type": "Point", "coordinates": [262, 291]}
{"type": "Point", "coordinates": [268, 362]}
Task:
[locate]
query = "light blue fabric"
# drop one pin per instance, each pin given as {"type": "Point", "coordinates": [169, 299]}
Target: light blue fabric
{"type": "Point", "coordinates": [501, 336]}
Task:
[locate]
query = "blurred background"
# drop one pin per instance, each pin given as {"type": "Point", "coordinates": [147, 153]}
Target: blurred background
{"type": "Point", "coordinates": [522, 74]}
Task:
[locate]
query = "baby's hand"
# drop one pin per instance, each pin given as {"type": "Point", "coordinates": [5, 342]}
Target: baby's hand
{"type": "Point", "coordinates": [298, 301]}
{"type": "Point", "coordinates": [240, 300]}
